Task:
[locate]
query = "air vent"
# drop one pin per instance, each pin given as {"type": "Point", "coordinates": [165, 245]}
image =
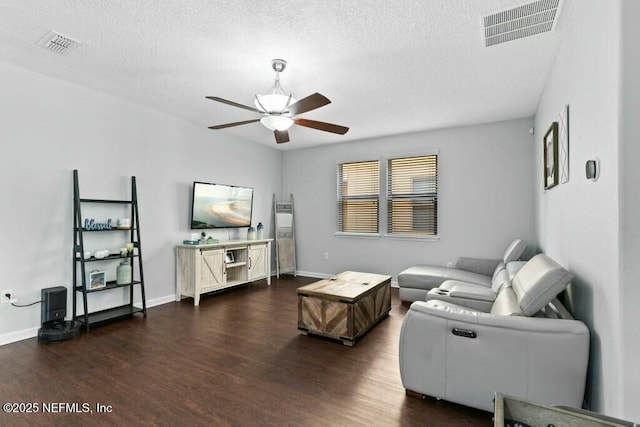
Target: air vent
{"type": "Point", "coordinates": [58, 43]}
{"type": "Point", "coordinates": [519, 22]}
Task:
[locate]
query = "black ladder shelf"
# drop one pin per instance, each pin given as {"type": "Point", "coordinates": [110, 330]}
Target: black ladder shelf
{"type": "Point", "coordinates": [88, 318]}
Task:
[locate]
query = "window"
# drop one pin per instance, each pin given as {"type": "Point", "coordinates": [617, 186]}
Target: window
{"type": "Point", "coordinates": [358, 197]}
{"type": "Point", "coordinates": [412, 195]}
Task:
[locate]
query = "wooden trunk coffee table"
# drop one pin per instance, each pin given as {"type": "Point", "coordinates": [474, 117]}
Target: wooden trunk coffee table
{"type": "Point", "coordinates": [345, 306]}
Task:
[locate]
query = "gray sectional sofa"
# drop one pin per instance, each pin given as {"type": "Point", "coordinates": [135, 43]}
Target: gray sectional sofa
{"type": "Point", "coordinates": [511, 336]}
{"type": "Point", "coordinates": [416, 282]}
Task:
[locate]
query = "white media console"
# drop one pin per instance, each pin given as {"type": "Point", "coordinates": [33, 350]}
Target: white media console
{"type": "Point", "coordinates": [212, 267]}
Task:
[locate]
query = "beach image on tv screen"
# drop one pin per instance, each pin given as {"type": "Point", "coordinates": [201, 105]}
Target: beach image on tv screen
{"type": "Point", "coordinates": [221, 206]}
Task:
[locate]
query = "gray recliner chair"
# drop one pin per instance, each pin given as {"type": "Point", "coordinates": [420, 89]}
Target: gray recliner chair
{"type": "Point", "coordinates": [527, 345]}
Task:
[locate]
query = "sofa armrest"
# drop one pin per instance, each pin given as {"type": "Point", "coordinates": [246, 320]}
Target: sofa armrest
{"type": "Point", "coordinates": [478, 301]}
{"type": "Point", "coordinates": [465, 356]}
{"type": "Point", "coordinates": [461, 290]}
{"type": "Point", "coordinates": [478, 265]}
{"type": "Point", "coordinates": [449, 311]}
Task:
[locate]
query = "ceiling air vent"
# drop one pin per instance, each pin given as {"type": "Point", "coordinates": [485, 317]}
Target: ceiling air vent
{"type": "Point", "coordinates": [519, 22]}
{"type": "Point", "coordinates": [58, 43]}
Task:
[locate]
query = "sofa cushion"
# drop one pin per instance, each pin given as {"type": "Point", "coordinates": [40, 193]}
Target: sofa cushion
{"type": "Point", "coordinates": [500, 279]}
{"type": "Point", "coordinates": [514, 251]}
{"type": "Point", "coordinates": [503, 275]}
{"type": "Point", "coordinates": [478, 265]}
{"type": "Point", "coordinates": [538, 282]}
{"type": "Point", "coordinates": [498, 269]}
{"type": "Point", "coordinates": [506, 304]}
{"type": "Point", "coordinates": [431, 276]}
{"type": "Point", "coordinates": [514, 267]}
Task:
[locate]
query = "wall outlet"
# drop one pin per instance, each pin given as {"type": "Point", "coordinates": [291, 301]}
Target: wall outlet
{"type": "Point", "coordinates": [3, 297]}
{"type": "Point", "coordinates": [326, 255]}
{"type": "Point", "coordinates": [449, 264]}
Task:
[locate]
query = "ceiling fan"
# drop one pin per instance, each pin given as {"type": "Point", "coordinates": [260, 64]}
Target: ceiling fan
{"type": "Point", "coordinates": [279, 111]}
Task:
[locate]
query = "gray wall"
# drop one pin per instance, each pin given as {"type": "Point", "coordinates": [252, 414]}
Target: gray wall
{"type": "Point", "coordinates": [630, 211]}
{"type": "Point", "coordinates": [485, 198]}
{"type": "Point", "coordinates": [579, 222]}
{"type": "Point", "coordinates": [49, 128]}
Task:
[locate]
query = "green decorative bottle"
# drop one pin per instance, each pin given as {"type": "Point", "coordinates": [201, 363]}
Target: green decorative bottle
{"type": "Point", "coordinates": [123, 273]}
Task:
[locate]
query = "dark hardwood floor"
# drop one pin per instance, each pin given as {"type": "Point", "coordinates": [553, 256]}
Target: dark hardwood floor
{"type": "Point", "coordinates": [237, 359]}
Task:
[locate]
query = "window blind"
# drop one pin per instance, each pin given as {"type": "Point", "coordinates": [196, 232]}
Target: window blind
{"type": "Point", "coordinates": [358, 197]}
{"type": "Point", "coordinates": [412, 195]}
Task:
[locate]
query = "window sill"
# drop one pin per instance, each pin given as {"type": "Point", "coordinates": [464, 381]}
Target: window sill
{"type": "Point", "coordinates": [386, 236]}
{"type": "Point", "coordinates": [411, 237]}
{"type": "Point", "coordinates": [360, 235]}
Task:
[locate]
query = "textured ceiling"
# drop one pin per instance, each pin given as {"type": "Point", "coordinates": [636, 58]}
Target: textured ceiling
{"type": "Point", "coordinates": [389, 67]}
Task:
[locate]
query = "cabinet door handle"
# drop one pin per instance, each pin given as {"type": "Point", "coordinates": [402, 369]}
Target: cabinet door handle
{"type": "Point", "coordinates": [249, 262]}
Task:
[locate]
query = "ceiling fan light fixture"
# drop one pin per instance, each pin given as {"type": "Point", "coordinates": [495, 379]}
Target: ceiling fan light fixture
{"type": "Point", "coordinates": [273, 102]}
{"type": "Point", "coordinates": [280, 111]}
{"type": "Point", "coordinates": [277, 122]}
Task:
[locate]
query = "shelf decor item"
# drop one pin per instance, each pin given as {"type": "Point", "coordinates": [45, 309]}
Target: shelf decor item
{"type": "Point", "coordinates": [101, 254]}
{"type": "Point", "coordinates": [123, 273]}
{"type": "Point", "coordinates": [90, 224]}
{"type": "Point", "coordinates": [207, 239]}
{"type": "Point", "coordinates": [550, 156]}
{"type": "Point", "coordinates": [260, 231]}
{"type": "Point", "coordinates": [251, 233]}
{"type": "Point", "coordinates": [96, 280]}
{"type": "Point", "coordinates": [124, 222]}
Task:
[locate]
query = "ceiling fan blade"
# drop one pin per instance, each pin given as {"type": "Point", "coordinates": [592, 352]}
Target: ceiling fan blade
{"type": "Point", "coordinates": [282, 136]}
{"type": "Point", "coordinates": [327, 127]}
{"type": "Point", "coordinates": [228, 125]}
{"type": "Point", "coordinates": [234, 104]}
{"type": "Point", "coordinates": [309, 103]}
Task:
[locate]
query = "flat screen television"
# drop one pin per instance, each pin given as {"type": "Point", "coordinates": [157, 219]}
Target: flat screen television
{"type": "Point", "coordinates": [220, 206]}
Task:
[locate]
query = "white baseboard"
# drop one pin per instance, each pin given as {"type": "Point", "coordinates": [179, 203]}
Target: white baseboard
{"type": "Point", "coordinates": [24, 334]}
{"type": "Point", "coordinates": [16, 336]}
{"type": "Point", "coordinates": [157, 301]}
{"type": "Point", "coordinates": [312, 274]}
